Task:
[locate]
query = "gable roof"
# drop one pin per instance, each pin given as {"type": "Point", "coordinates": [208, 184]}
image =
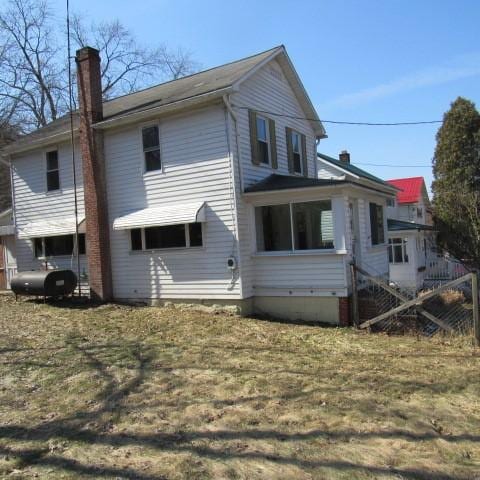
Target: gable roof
{"type": "Point", "coordinates": [285, 182]}
{"type": "Point", "coordinates": [358, 172]}
{"type": "Point", "coordinates": [410, 189]}
{"type": "Point", "coordinates": [201, 86]}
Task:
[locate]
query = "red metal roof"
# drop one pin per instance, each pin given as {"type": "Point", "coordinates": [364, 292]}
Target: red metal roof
{"type": "Point", "coordinates": [410, 189]}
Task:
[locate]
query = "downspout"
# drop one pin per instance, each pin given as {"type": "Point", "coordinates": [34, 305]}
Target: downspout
{"type": "Point", "coordinates": [234, 207]}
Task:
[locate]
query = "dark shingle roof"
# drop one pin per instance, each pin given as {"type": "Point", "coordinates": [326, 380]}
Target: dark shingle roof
{"type": "Point", "coordinates": [201, 83]}
{"type": "Point", "coordinates": [285, 182]}
{"type": "Point", "coordinates": [399, 225]}
{"type": "Point", "coordinates": [353, 169]}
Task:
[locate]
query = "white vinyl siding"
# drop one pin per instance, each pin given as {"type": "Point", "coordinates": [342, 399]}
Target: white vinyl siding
{"type": "Point", "coordinates": [196, 168]}
{"type": "Point", "coordinates": [34, 204]}
{"type": "Point", "coordinates": [271, 92]}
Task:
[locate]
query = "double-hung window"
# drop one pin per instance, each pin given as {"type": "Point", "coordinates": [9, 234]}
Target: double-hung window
{"type": "Point", "coordinates": [263, 140]}
{"type": "Point", "coordinates": [397, 250]}
{"type": "Point", "coordinates": [151, 148]}
{"type": "Point", "coordinates": [167, 236]}
{"type": "Point", "coordinates": [377, 230]}
{"type": "Point", "coordinates": [295, 226]}
{"type": "Point", "coordinates": [297, 152]}
{"type": "Point", "coordinates": [53, 173]}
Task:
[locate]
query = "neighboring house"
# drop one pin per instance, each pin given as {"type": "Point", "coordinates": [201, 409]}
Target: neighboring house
{"type": "Point", "coordinates": [410, 233]}
{"type": "Point", "coordinates": [205, 190]}
{"type": "Point", "coordinates": [8, 263]}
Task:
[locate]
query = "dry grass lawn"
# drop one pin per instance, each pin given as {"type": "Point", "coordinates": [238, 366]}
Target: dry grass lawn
{"type": "Point", "coordinates": [150, 393]}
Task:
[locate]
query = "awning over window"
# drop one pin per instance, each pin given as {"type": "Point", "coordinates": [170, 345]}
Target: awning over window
{"type": "Point", "coordinates": [52, 227]}
{"type": "Point", "coordinates": [158, 216]}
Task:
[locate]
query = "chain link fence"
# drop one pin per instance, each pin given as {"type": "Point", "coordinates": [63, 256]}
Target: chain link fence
{"type": "Point", "coordinates": [449, 308]}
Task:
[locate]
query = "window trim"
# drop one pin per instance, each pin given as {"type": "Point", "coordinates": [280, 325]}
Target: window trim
{"type": "Point", "coordinates": [46, 170]}
{"type": "Point", "coordinates": [166, 249]}
{"type": "Point", "coordinates": [268, 142]}
{"type": "Point", "coordinates": [296, 132]}
{"type": "Point", "coordinates": [144, 170]}
{"type": "Point", "coordinates": [294, 251]}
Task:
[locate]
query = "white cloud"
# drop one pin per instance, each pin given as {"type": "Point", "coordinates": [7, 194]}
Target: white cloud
{"type": "Point", "coordinates": [461, 67]}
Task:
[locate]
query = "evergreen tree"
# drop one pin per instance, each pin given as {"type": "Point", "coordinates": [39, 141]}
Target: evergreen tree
{"type": "Point", "coordinates": [456, 186]}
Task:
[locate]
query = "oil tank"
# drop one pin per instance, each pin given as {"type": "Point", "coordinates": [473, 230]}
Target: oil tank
{"type": "Point", "coordinates": [45, 283]}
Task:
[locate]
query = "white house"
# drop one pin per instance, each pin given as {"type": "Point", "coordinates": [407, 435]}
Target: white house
{"type": "Point", "coordinates": [410, 233]}
{"type": "Point", "coordinates": [8, 263]}
{"type": "Point", "coordinates": [206, 189]}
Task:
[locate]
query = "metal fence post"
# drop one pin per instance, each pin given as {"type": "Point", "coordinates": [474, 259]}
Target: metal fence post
{"type": "Point", "coordinates": [355, 314]}
{"type": "Point", "coordinates": [476, 316]}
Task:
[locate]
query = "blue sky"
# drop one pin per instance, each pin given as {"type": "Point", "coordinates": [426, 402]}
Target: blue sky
{"type": "Point", "coordinates": [370, 60]}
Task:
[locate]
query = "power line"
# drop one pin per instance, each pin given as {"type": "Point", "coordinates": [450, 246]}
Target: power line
{"type": "Point", "coordinates": [390, 165]}
{"type": "Point", "coordinates": [338, 122]}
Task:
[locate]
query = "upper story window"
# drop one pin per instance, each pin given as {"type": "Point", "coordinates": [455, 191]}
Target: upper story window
{"type": "Point", "coordinates": [294, 226]}
{"type": "Point", "coordinates": [263, 140]}
{"type": "Point", "coordinates": [390, 202]}
{"type": "Point", "coordinates": [297, 152]}
{"type": "Point", "coordinates": [377, 229]}
{"type": "Point", "coordinates": [168, 236]}
{"type": "Point", "coordinates": [53, 173]}
{"type": "Point", "coordinates": [419, 212]}
{"type": "Point", "coordinates": [397, 250]}
{"type": "Point", "coordinates": [151, 148]}
{"type": "Point", "coordinates": [58, 246]}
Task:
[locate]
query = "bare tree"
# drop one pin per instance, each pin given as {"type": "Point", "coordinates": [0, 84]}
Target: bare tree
{"type": "Point", "coordinates": [33, 62]}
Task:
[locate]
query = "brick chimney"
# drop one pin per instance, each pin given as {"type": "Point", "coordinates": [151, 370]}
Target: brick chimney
{"type": "Point", "coordinates": [344, 156]}
{"type": "Point", "coordinates": [93, 161]}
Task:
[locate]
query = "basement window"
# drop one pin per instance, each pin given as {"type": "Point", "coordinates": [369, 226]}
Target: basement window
{"type": "Point", "coordinates": [168, 236]}
{"type": "Point", "coordinates": [60, 245]}
{"type": "Point", "coordinates": [53, 173]}
{"type": "Point", "coordinates": [295, 226]}
{"type": "Point", "coordinates": [151, 148]}
{"type": "Point", "coordinates": [397, 250]}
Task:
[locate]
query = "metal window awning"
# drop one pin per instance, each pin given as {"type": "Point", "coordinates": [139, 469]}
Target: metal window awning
{"type": "Point", "coordinates": [160, 216]}
{"type": "Point", "coordinates": [51, 228]}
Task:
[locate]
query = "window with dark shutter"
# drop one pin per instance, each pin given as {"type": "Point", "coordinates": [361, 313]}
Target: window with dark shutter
{"type": "Point", "coordinates": [263, 140]}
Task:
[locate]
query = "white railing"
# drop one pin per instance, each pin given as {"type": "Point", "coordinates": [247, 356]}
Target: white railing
{"type": "Point", "coordinates": [444, 269]}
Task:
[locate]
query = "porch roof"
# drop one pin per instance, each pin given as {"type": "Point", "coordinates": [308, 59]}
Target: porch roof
{"type": "Point", "coordinates": [399, 225]}
{"type": "Point", "coordinates": [285, 182]}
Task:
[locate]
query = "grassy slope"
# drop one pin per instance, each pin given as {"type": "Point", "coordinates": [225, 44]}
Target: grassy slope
{"type": "Point", "coordinates": [149, 393]}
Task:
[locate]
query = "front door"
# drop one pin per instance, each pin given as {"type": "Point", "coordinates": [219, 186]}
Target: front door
{"type": "Point", "coordinates": [3, 273]}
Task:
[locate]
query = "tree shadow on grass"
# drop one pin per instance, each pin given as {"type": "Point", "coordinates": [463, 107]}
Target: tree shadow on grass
{"type": "Point", "coordinates": [112, 400]}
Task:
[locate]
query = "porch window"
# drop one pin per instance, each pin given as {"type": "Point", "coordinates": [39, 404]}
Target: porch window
{"type": "Point", "coordinates": [53, 173]}
{"type": "Point", "coordinates": [151, 148]}
{"type": "Point", "coordinates": [295, 226]}
{"type": "Point", "coordinates": [397, 250]}
{"type": "Point", "coordinates": [167, 236]}
{"type": "Point", "coordinates": [60, 245]}
{"type": "Point", "coordinates": [377, 231]}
